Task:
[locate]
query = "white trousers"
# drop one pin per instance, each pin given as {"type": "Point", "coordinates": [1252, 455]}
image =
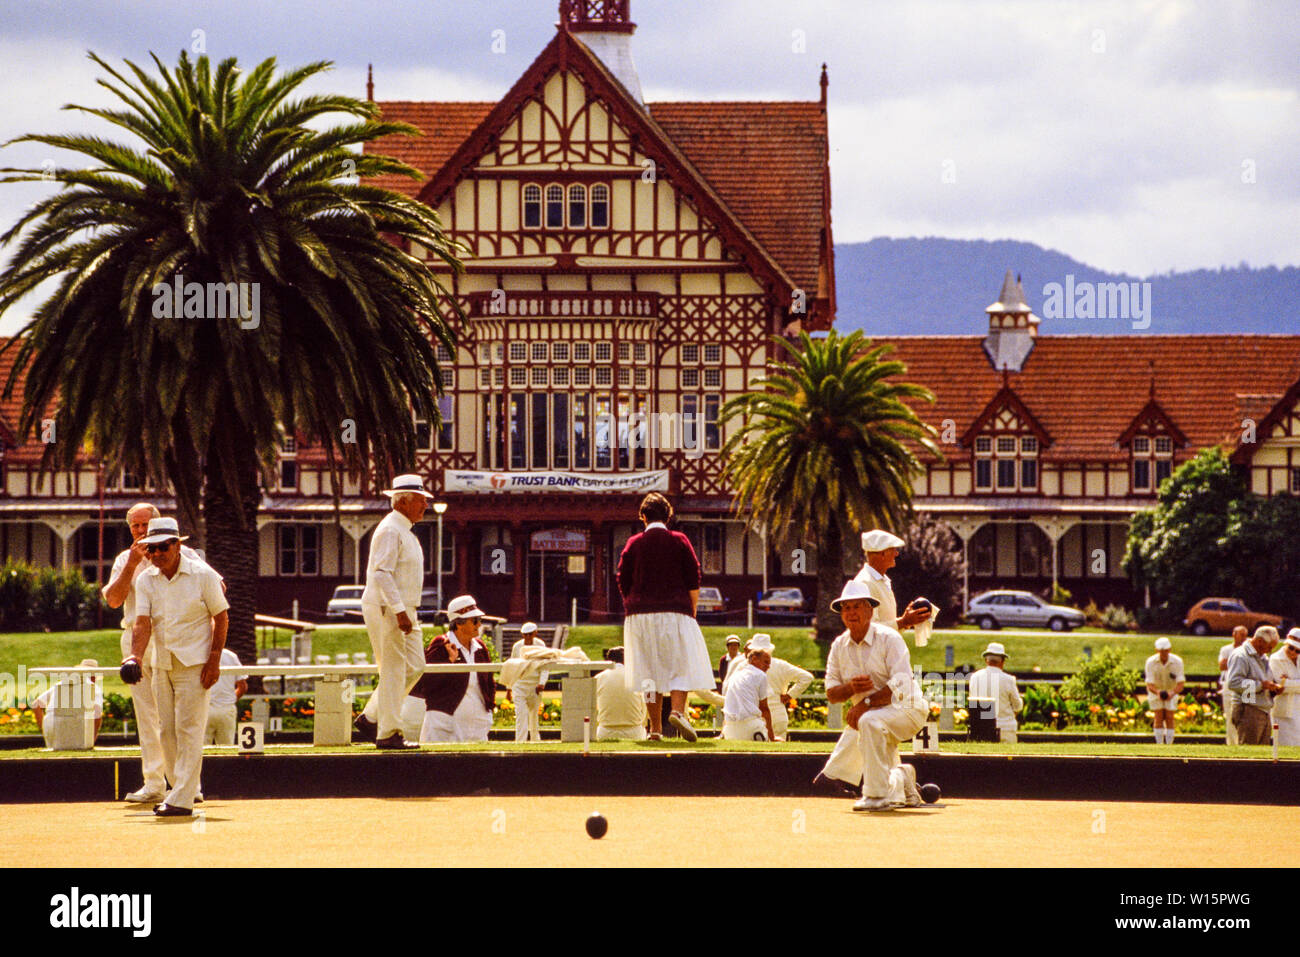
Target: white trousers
{"type": "Point", "coordinates": [780, 719]}
{"type": "Point", "coordinates": [220, 728]}
{"type": "Point", "coordinates": [527, 700]}
{"type": "Point", "coordinates": [183, 715]}
{"type": "Point", "coordinates": [470, 722]}
{"type": "Point", "coordinates": [400, 658]}
{"type": "Point", "coordinates": [747, 729]}
{"type": "Point", "coordinates": [154, 765]}
{"type": "Point", "coordinates": [1288, 731]}
{"type": "Point", "coordinates": [607, 733]}
{"type": "Point", "coordinates": [871, 751]}
{"type": "Point", "coordinates": [1230, 729]}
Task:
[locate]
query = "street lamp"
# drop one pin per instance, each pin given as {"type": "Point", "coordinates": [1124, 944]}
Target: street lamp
{"type": "Point", "coordinates": [439, 508]}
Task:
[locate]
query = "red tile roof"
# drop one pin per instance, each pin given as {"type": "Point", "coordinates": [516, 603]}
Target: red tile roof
{"type": "Point", "coordinates": [765, 160]}
{"type": "Point", "coordinates": [1085, 390]}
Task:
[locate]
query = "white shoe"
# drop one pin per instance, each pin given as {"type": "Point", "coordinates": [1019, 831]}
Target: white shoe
{"type": "Point", "coordinates": [682, 725]}
{"type": "Point", "coordinates": [873, 804]}
{"type": "Point", "coordinates": [911, 793]}
{"type": "Point", "coordinates": [144, 796]}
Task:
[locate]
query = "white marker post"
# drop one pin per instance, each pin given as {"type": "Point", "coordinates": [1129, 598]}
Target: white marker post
{"type": "Point", "coordinates": [1275, 729]}
{"type": "Point", "coordinates": [586, 737]}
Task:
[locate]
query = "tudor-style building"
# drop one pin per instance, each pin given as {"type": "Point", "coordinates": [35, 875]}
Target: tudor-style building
{"type": "Point", "coordinates": [1051, 443]}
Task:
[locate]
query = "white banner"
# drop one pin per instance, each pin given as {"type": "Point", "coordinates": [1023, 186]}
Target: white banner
{"type": "Point", "coordinates": [456, 480]}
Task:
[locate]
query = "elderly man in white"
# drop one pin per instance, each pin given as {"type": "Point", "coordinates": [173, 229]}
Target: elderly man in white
{"type": "Point", "coordinates": [222, 699]}
{"type": "Point", "coordinates": [181, 606]}
{"type": "Point", "coordinates": [993, 684]}
{"type": "Point", "coordinates": [620, 713]}
{"type": "Point", "coordinates": [1285, 665]}
{"type": "Point", "coordinates": [129, 565]}
{"type": "Point", "coordinates": [881, 550]}
{"type": "Point", "coordinates": [1165, 677]}
{"type": "Point", "coordinates": [746, 714]}
{"type": "Point", "coordinates": [786, 682]}
{"type": "Point", "coordinates": [527, 695]}
{"type": "Point", "coordinates": [394, 577]}
{"type": "Point", "coordinates": [869, 665]}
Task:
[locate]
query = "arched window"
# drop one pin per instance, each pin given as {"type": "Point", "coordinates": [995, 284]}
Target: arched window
{"type": "Point", "coordinates": [532, 206]}
{"type": "Point", "coordinates": [599, 207]}
{"type": "Point", "coordinates": [555, 207]}
{"type": "Point", "coordinates": [577, 206]}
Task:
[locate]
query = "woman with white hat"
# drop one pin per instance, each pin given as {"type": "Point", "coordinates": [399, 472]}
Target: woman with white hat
{"type": "Point", "coordinates": [459, 704]}
{"type": "Point", "coordinates": [1285, 665]}
{"type": "Point", "coordinates": [659, 579]}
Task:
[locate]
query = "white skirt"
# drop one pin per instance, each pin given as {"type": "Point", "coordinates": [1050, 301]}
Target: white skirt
{"type": "Point", "coordinates": [665, 651]}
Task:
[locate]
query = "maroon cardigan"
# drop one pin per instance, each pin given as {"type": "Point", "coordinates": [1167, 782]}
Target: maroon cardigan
{"type": "Point", "coordinates": [657, 572]}
{"type": "Point", "coordinates": [444, 692]}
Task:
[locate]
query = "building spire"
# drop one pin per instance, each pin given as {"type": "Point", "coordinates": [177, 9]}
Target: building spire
{"type": "Point", "coordinates": [590, 16]}
{"type": "Point", "coordinates": [825, 82]}
{"type": "Point", "coordinates": [370, 82]}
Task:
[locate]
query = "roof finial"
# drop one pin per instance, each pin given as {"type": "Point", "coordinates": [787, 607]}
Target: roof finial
{"type": "Point", "coordinates": [370, 82]}
{"type": "Point", "coordinates": [825, 82]}
{"type": "Point", "coordinates": [1151, 367]}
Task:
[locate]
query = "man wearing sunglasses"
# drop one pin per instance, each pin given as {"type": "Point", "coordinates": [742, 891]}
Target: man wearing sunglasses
{"type": "Point", "coordinates": [120, 593]}
{"type": "Point", "coordinates": [181, 606]}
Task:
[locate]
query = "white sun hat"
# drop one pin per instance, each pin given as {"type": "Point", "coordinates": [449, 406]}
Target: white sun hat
{"type": "Point", "coordinates": [163, 530]}
{"type": "Point", "coordinates": [408, 483]}
{"type": "Point", "coordinates": [762, 642]}
{"type": "Point", "coordinates": [1163, 644]}
{"type": "Point", "coordinates": [853, 590]}
{"type": "Point", "coordinates": [463, 606]}
{"type": "Point", "coordinates": [528, 628]}
{"type": "Point", "coordinates": [995, 648]}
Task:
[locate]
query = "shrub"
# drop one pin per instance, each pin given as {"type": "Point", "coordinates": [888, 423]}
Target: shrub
{"type": "Point", "coordinates": [1101, 680]}
{"type": "Point", "coordinates": [1091, 613]}
{"type": "Point", "coordinates": [16, 580]}
{"type": "Point", "coordinates": [1060, 595]}
{"type": "Point", "coordinates": [1116, 618]}
{"type": "Point", "coordinates": [48, 598]}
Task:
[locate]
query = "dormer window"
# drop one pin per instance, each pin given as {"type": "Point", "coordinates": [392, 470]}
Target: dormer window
{"type": "Point", "coordinates": [599, 206]}
{"type": "Point", "coordinates": [532, 206]}
{"type": "Point", "coordinates": [575, 206]}
{"type": "Point", "coordinates": [1008, 463]}
{"type": "Point", "coordinates": [1153, 461]}
{"type": "Point", "coordinates": [555, 207]}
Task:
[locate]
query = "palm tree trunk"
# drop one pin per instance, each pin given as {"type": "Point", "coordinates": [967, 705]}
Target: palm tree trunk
{"type": "Point", "coordinates": [232, 545]}
{"type": "Point", "coordinates": [830, 581]}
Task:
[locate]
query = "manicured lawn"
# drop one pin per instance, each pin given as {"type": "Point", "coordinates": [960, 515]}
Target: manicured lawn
{"type": "Point", "coordinates": [714, 746]}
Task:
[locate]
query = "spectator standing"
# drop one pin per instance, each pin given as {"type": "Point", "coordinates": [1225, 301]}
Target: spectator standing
{"type": "Point", "coordinates": [659, 579]}
{"type": "Point", "coordinates": [1285, 666]}
{"type": "Point", "coordinates": [1229, 699]}
{"type": "Point", "coordinates": [1250, 677]}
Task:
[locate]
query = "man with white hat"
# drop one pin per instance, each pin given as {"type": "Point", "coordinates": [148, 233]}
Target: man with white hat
{"type": "Point", "coordinates": [1251, 678]}
{"type": "Point", "coordinates": [394, 578]}
{"type": "Point", "coordinates": [746, 715]}
{"type": "Point", "coordinates": [459, 703]}
{"type": "Point", "coordinates": [129, 565]}
{"type": "Point", "coordinates": [181, 609]}
{"type": "Point", "coordinates": [786, 682]}
{"type": "Point", "coordinates": [994, 685]}
{"type": "Point", "coordinates": [1165, 675]}
{"type": "Point", "coordinates": [1285, 665]}
{"type": "Point", "coordinates": [869, 666]}
{"type": "Point", "coordinates": [68, 693]}
{"type": "Point", "coordinates": [526, 695]}
{"type": "Point", "coordinates": [881, 550]}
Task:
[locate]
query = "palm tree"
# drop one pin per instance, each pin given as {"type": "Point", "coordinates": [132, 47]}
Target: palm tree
{"type": "Point", "coordinates": [328, 332]}
{"type": "Point", "coordinates": [823, 451]}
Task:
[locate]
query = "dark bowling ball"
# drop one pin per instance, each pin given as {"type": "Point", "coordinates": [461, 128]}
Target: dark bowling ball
{"type": "Point", "coordinates": [930, 793]}
{"type": "Point", "coordinates": [921, 603]}
{"type": "Point", "coordinates": [597, 825]}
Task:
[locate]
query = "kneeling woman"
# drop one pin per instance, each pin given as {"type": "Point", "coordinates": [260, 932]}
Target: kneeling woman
{"type": "Point", "coordinates": [459, 703]}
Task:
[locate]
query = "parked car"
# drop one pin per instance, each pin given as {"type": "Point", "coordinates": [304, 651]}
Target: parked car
{"type": "Point", "coordinates": [710, 601]}
{"type": "Point", "coordinates": [782, 602]}
{"type": "Point", "coordinates": [1021, 609]}
{"type": "Point", "coordinates": [428, 602]}
{"type": "Point", "coordinates": [1224, 614]}
{"type": "Point", "coordinates": [346, 602]}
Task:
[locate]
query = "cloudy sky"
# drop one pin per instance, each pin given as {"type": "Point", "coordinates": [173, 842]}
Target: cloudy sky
{"type": "Point", "coordinates": [1137, 136]}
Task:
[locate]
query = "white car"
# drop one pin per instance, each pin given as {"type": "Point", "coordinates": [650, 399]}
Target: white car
{"type": "Point", "coordinates": [1021, 609]}
{"type": "Point", "coordinates": [346, 602]}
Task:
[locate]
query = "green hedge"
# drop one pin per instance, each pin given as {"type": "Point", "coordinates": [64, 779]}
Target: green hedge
{"type": "Point", "coordinates": [45, 599]}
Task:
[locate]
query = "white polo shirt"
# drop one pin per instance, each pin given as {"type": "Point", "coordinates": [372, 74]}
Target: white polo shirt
{"type": "Point", "coordinates": [395, 569]}
{"type": "Point", "coordinates": [1165, 675]}
{"type": "Point", "coordinates": [616, 707]}
{"type": "Point", "coordinates": [881, 655]}
{"type": "Point", "coordinates": [744, 694]}
{"type": "Point", "coordinates": [222, 695]}
{"type": "Point", "coordinates": [181, 609]}
{"type": "Point", "coordinates": [128, 604]}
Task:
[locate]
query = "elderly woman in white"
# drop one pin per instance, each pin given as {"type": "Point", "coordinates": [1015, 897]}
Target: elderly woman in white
{"type": "Point", "coordinates": [1285, 665]}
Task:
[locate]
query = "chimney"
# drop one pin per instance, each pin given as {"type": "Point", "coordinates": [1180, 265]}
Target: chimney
{"type": "Point", "coordinates": [606, 28]}
{"type": "Point", "coordinates": [1012, 327]}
